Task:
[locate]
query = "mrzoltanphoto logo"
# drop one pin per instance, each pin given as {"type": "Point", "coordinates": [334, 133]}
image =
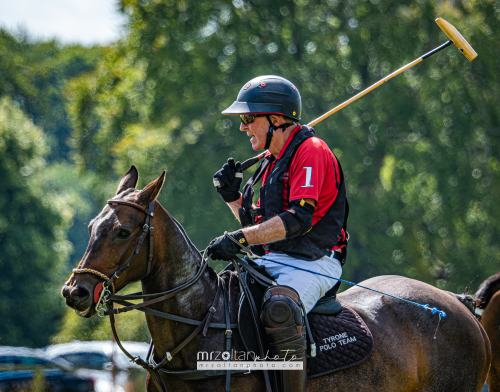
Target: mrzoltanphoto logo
{"type": "Point", "coordinates": [234, 360]}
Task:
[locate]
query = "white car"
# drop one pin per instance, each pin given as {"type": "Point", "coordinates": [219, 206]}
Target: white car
{"type": "Point", "coordinates": [105, 363]}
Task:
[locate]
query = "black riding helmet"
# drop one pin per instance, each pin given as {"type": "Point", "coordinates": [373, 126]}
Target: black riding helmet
{"type": "Point", "coordinates": [268, 94]}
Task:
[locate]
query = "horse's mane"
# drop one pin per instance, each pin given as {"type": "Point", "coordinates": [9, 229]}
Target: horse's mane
{"type": "Point", "coordinates": [487, 289]}
{"type": "Point", "coordinates": [183, 232]}
{"type": "Point", "coordinates": [177, 224]}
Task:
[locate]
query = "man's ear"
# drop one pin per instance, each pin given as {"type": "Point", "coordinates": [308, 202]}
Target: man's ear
{"type": "Point", "coordinates": [277, 120]}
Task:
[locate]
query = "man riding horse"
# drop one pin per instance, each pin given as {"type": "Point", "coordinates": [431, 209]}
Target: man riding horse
{"type": "Point", "coordinates": [300, 217]}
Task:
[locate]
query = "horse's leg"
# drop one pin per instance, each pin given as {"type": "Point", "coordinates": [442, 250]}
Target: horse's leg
{"type": "Point", "coordinates": [490, 321]}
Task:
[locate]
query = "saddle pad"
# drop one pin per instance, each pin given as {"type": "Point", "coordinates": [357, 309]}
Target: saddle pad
{"type": "Point", "coordinates": [342, 341]}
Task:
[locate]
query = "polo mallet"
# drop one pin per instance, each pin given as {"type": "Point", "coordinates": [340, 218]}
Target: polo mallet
{"type": "Point", "coordinates": [454, 37]}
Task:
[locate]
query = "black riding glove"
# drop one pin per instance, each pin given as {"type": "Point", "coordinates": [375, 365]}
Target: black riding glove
{"type": "Point", "coordinates": [223, 248]}
{"type": "Point", "coordinates": [229, 179]}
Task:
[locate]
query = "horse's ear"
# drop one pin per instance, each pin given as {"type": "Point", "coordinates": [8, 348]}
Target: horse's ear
{"type": "Point", "coordinates": [129, 180]}
{"type": "Point", "coordinates": [150, 192]}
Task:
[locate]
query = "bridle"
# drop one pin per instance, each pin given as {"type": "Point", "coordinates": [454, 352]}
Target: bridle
{"type": "Point", "coordinates": [101, 290]}
{"type": "Point", "coordinates": [104, 298]}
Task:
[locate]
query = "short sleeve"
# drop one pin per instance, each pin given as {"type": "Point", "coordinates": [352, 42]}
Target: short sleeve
{"type": "Point", "coordinates": [309, 169]}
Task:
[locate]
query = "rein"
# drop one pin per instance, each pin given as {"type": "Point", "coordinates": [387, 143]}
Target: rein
{"type": "Point", "coordinates": [104, 299]}
{"type": "Point", "coordinates": [251, 255]}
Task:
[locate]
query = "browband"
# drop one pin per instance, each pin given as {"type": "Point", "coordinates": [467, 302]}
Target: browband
{"type": "Point", "coordinates": [131, 204]}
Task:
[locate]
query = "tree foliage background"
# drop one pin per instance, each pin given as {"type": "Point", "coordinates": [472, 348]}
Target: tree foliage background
{"type": "Point", "coordinates": [420, 153]}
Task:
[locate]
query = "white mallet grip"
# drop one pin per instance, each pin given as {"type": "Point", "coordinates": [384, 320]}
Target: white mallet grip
{"type": "Point", "coordinates": [217, 183]}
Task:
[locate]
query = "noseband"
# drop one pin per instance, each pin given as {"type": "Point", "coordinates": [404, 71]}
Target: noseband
{"type": "Point", "coordinates": [102, 288]}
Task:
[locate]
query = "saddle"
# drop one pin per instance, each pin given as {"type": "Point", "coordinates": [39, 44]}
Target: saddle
{"type": "Point", "coordinates": [337, 336]}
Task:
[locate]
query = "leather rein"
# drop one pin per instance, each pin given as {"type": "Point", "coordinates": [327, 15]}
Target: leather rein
{"type": "Point", "coordinates": [104, 299]}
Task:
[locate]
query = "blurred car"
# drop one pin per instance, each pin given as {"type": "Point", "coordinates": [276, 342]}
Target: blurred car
{"type": "Point", "coordinates": [24, 369]}
{"type": "Point", "coordinates": [104, 362]}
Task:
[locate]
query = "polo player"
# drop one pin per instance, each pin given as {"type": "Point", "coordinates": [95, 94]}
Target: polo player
{"type": "Point", "coordinates": [299, 219]}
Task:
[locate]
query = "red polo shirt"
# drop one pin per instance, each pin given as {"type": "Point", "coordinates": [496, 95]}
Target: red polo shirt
{"type": "Point", "coordinates": [312, 173]}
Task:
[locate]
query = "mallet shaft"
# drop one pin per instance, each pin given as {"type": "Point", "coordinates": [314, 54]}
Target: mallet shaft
{"type": "Point", "coordinates": [375, 85]}
{"type": "Point", "coordinates": [448, 29]}
{"type": "Point", "coordinates": [250, 162]}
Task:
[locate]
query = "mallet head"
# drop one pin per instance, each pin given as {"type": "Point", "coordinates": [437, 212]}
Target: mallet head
{"type": "Point", "coordinates": [457, 38]}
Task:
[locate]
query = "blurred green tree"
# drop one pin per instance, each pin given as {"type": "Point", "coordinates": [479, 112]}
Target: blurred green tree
{"type": "Point", "coordinates": [420, 154]}
{"type": "Point", "coordinates": [34, 74]}
{"type": "Point", "coordinates": [33, 244]}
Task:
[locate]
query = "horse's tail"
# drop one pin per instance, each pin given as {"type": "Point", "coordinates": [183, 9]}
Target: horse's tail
{"type": "Point", "coordinates": [486, 290]}
{"type": "Point", "coordinates": [466, 299]}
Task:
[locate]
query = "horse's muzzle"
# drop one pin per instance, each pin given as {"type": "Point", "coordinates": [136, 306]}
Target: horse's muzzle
{"type": "Point", "coordinates": [77, 297]}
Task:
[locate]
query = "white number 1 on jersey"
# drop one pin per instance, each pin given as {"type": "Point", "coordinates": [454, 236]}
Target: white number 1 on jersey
{"type": "Point", "coordinates": [308, 177]}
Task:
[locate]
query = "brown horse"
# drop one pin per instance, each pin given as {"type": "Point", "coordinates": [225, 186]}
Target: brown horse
{"type": "Point", "coordinates": [406, 357]}
{"type": "Point", "coordinates": [488, 307]}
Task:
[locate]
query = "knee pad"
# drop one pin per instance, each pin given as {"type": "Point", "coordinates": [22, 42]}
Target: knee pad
{"type": "Point", "coordinates": [283, 321]}
{"type": "Point", "coordinates": [281, 307]}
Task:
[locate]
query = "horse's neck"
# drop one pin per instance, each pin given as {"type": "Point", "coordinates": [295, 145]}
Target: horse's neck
{"type": "Point", "coordinates": [176, 261]}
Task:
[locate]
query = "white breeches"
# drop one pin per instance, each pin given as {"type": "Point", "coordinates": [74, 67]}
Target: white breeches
{"type": "Point", "coordinates": [311, 287]}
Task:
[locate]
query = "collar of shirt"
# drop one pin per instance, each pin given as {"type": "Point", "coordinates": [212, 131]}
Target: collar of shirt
{"type": "Point", "coordinates": [294, 132]}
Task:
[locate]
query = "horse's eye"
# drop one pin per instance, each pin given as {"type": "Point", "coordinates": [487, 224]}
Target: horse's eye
{"type": "Point", "coordinates": [122, 233]}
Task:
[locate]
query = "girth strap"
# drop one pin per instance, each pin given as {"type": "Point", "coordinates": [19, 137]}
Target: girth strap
{"type": "Point", "coordinates": [200, 374]}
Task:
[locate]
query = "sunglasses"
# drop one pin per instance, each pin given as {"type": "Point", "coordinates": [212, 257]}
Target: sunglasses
{"type": "Point", "coordinates": [247, 118]}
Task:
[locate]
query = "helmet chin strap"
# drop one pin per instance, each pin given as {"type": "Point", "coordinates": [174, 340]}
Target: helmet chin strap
{"type": "Point", "coordinates": [272, 128]}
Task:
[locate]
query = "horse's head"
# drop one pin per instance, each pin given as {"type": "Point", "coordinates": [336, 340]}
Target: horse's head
{"type": "Point", "coordinates": [114, 234]}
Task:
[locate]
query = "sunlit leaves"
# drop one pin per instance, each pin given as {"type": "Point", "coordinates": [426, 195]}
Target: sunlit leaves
{"type": "Point", "coordinates": [416, 151]}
